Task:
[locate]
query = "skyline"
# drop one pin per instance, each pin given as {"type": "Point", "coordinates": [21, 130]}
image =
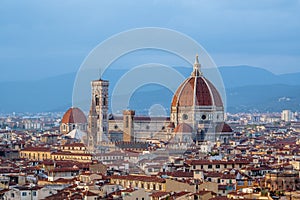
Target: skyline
{"type": "Point", "coordinates": [150, 100]}
{"type": "Point", "coordinates": [48, 39]}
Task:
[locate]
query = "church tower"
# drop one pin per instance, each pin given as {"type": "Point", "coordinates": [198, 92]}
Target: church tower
{"type": "Point", "coordinates": [98, 116]}
{"type": "Point", "coordinates": [128, 126]}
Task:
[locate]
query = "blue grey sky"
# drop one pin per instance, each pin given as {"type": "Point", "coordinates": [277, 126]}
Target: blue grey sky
{"type": "Point", "coordinates": [45, 38]}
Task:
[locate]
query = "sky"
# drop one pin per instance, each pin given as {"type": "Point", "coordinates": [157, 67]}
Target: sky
{"type": "Point", "coordinates": [46, 38]}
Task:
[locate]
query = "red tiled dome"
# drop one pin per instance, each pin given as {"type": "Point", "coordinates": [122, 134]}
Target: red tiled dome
{"type": "Point", "coordinates": [196, 91]}
{"type": "Point", "coordinates": [183, 128]}
{"type": "Point", "coordinates": [73, 116]}
{"type": "Point", "coordinates": [199, 90]}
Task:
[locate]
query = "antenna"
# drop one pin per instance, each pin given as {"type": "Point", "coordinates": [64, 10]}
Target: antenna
{"type": "Point", "coordinates": [100, 74]}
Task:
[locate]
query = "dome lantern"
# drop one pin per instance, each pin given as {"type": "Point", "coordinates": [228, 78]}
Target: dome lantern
{"type": "Point", "coordinates": [196, 71]}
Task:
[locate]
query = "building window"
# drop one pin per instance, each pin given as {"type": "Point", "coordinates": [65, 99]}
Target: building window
{"type": "Point", "coordinates": [97, 100]}
{"type": "Point", "coordinates": [185, 116]}
{"type": "Point", "coordinates": [24, 194]}
{"type": "Point", "coordinates": [218, 166]}
{"type": "Point", "coordinates": [209, 167]}
{"type": "Point", "coordinates": [34, 193]}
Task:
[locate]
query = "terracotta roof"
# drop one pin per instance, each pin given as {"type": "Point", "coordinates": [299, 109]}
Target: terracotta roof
{"type": "Point", "coordinates": [223, 128]}
{"type": "Point", "coordinates": [139, 178]}
{"type": "Point", "coordinates": [159, 194]}
{"type": "Point", "coordinates": [178, 174]}
{"type": "Point", "coordinates": [180, 194]}
{"type": "Point", "coordinates": [89, 193]}
{"type": "Point", "coordinates": [203, 192]}
{"type": "Point", "coordinates": [206, 93]}
{"type": "Point", "coordinates": [67, 169]}
{"type": "Point", "coordinates": [74, 115]}
{"type": "Point", "coordinates": [207, 162]}
{"type": "Point", "coordinates": [213, 174]}
{"type": "Point", "coordinates": [74, 145]}
{"type": "Point", "coordinates": [183, 128]}
{"type": "Point", "coordinates": [219, 198]}
{"type": "Point", "coordinates": [70, 153]}
{"type": "Point", "coordinates": [41, 149]}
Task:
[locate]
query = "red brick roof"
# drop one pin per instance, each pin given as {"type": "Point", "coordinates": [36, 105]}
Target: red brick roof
{"type": "Point", "coordinates": [159, 194]}
{"type": "Point", "coordinates": [67, 169]}
{"type": "Point", "coordinates": [223, 128]}
{"type": "Point", "coordinates": [140, 178]}
{"type": "Point", "coordinates": [183, 128]}
{"type": "Point", "coordinates": [70, 153]}
{"type": "Point", "coordinates": [207, 162]}
{"type": "Point", "coordinates": [74, 145]}
{"type": "Point", "coordinates": [178, 174]}
{"type": "Point", "coordinates": [40, 149]}
{"type": "Point", "coordinates": [219, 198]}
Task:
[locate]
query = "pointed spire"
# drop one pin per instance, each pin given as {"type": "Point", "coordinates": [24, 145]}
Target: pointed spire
{"type": "Point", "coordinates": [197, 66]}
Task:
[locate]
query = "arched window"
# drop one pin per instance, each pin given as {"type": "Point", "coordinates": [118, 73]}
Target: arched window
{"type": "Point", "coordinates": [97, 100]}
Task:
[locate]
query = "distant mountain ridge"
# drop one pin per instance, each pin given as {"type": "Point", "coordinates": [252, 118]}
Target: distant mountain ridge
{"type": "Point", "coordinates": [244, 75]}
{"type": "Point", "coordinates": [247, 88]}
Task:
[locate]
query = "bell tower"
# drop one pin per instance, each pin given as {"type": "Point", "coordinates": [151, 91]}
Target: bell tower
{"type": "Point", "coordinates": [98, 115]}
{"type": "Point", "coordinates": [128, 125]}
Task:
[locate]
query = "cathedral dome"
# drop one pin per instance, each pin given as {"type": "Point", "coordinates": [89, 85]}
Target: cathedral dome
{"type": "Point", "coordinates": [196, 91]}
{"type": "Point", "coordinates": [74, 116]}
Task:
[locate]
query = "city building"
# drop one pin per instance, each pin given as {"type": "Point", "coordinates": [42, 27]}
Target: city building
{"type": "Point", "coordinates": [286, 115]}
